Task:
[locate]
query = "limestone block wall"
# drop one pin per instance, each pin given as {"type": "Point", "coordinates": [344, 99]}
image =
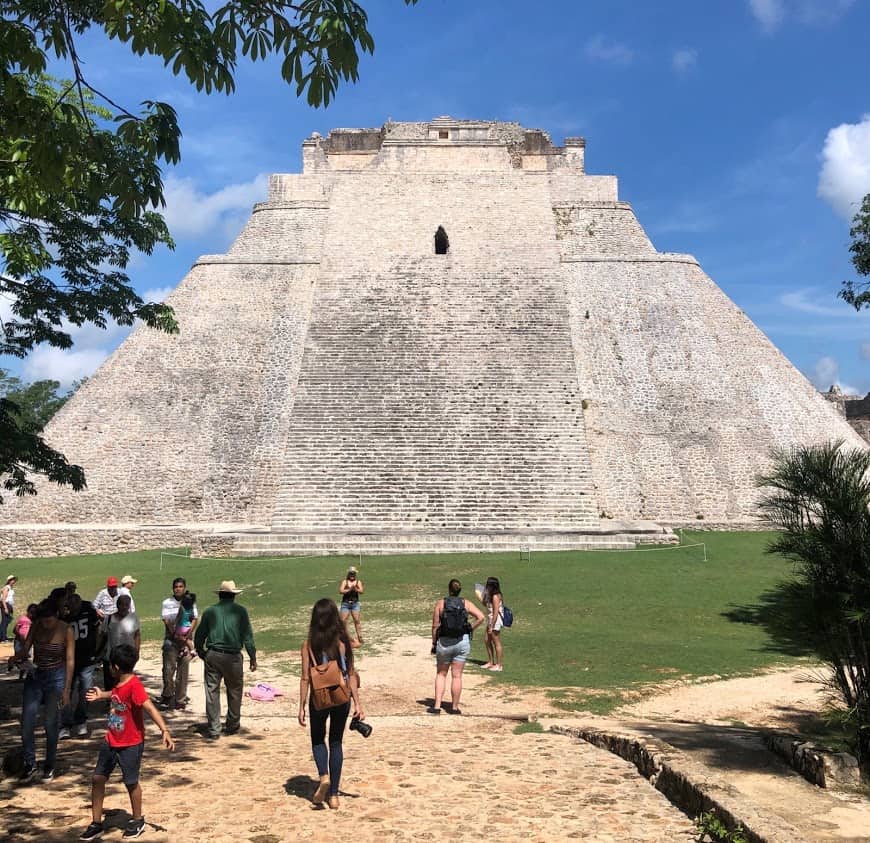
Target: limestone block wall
{"type": "Point", "coordinates": [684, 395]}
{"type": "Point", "coordinates": [283, 230]}
{"type": "Point", "coordinates": [599, 229]}
{"type": "Point", "coordinates": [567, 187]}
{"type": "Point", "coordinates": [29, 543]}
{"type": "Point", "coordinates": [453, 158]}
{"type": "Point", "coordinates": [167, 429]}
{"type": "Point", "coordinates": [437, 391]}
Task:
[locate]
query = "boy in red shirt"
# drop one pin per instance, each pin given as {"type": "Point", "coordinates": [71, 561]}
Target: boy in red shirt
{"type": "Point", "coordinates": [125, 740]}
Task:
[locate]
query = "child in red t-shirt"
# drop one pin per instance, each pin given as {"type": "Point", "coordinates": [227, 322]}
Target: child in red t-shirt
{"type": "Point", "coordinates": [125, 740]}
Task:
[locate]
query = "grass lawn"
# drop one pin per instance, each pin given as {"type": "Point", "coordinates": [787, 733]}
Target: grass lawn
{"type": "Point", "coordinates": [590, 623]}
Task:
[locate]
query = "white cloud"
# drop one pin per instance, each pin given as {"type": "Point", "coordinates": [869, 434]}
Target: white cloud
{"type": "Point", "coordinates": [601, 49]}
{"type": "Point", "coordinates": [684, 60]}
{"type": "Point", "coordinates": [157, 294]}
{"type": "Point", "coordinates": [865, 351]}
{"type": "Point", "coordinates": [5, 307]}
{"type": "Point", "coordinates": [844, 179]}
{"type": "Point", "coordinates": [771, 14]}
{"type": "Point", "coordinates": [809, 301]}
{"type": "Point", "coordinates": [191, 212]}
{"type": "Point", "coordinates": [66, 366]}
{"type": "Point", "coordinates": [826, 373]}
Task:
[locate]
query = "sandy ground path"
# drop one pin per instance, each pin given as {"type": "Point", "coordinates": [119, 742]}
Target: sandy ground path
{"type": "Point", "coordinates": [418, 777]}
{"type": "Point", "coordinates": [718, 725]}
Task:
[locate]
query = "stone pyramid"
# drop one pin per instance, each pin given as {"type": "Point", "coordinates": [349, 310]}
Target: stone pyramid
{"type": "Point", "coordinates": [440, 335]}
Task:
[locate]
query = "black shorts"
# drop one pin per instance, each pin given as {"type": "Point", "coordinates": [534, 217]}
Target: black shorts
{"type": "Point", "coordinates": [129, 758]}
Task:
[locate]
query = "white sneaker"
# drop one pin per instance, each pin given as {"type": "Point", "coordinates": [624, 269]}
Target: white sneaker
{"type": "Point", "coordinates": [82, 729]}
{"type": "Point", "coordinates": [63, 733]}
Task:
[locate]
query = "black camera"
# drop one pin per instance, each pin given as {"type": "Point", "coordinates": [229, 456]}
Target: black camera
{"type": "Point", "coordinates": [357, 725]}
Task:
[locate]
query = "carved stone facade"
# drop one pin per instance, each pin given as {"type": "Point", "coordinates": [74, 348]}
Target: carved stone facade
{"type": "Point", "coordinates": [551, 376]}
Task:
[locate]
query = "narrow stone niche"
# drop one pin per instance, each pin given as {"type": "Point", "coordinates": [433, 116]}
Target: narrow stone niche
{"type": "Point", "coordinates": [442, 243]}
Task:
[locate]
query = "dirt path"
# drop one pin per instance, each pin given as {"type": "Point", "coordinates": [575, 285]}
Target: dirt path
{"type": "Point", "coordinates": [421, 777]}
{"type": "Point", "coordinates": [717, 725]}
{"type": "Point", "coordinates": [418, 777]}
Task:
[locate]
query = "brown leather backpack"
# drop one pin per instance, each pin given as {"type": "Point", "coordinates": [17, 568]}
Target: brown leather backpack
{"type": "Point", "coordinates": [328, 684]}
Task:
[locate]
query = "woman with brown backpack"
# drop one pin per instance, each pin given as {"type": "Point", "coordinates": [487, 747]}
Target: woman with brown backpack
{"type": "Point", "coordinates": [327, 686]}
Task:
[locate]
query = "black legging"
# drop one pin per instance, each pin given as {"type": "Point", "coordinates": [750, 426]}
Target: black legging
{"type": "Point", "coordinates": [328, 762]}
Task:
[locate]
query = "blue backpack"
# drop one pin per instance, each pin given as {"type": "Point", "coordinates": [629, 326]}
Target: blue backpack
{"type": "Point", "coordinates": [507, 616]}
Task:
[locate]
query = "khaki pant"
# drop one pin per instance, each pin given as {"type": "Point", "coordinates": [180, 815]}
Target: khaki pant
{"type": "Point", "coordinates": [176, 672]}
{"type": "Point", "coordinates": [229, 667]}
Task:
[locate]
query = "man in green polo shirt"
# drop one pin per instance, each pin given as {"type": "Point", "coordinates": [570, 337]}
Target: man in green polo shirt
{"type": "Point", "coordinates": [222, 632]}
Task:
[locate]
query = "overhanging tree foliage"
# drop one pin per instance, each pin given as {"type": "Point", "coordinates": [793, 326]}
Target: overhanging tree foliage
{"type": "Point", "coordinates": [819, 499]}
{"type": "Point", "coordinates": [25, 409]}
{"type": "Point", "coordinates": [80, 174]}
{"type": "Point", "coordinates": [857, 293]}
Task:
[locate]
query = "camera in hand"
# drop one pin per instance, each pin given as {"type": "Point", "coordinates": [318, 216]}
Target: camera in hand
{"type": "Point", "coordinates": [357, 725]}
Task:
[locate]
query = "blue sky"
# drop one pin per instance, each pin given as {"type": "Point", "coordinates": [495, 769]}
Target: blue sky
{"type": "Point", "coordinates": [739, 129]}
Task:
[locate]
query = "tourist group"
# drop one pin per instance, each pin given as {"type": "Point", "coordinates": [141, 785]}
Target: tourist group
{"type": "Point", "coordinates": [61, 642]}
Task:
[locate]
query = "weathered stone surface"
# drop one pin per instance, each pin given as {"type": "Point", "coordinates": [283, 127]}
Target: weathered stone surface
{"type": "Point", "coordinates": [333, 375]}
{"type": "Point", "coordinates": [816, 764]}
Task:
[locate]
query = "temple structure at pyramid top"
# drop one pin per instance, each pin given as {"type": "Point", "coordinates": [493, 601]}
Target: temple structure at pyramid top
{"type": "Point", "coordinates": [442, 336]}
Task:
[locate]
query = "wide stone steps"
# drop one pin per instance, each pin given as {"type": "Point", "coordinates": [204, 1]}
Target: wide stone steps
{"type": "Point", "coordinates": [437, 393]}
{"type": "Point", "coordinates": [279, 544]}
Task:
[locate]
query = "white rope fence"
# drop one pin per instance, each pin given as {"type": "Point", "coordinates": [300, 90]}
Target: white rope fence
{"type": "Point", "coordinates": [525, 554]}
{"type": "Point", "coordinates": [283, 558]}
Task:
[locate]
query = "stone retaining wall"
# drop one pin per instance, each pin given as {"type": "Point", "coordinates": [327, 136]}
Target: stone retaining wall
{"type": "Point", "coordinates": [685, 783]}
{"type": "Point", "coordinates": [26, 543]}
{"type": "Point", "coordinates": [820, 766]}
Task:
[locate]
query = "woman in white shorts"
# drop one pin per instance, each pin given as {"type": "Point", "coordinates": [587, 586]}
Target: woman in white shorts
{"type": "Point", "coordinates": [451, 643]}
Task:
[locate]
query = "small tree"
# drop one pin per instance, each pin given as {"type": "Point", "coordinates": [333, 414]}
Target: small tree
{"type": "Point", "coordinates": [857, 293]}
{"type": "Point", "coordinates": [37, 402]}
{"type": "Point", "coordinates": [818, 497]}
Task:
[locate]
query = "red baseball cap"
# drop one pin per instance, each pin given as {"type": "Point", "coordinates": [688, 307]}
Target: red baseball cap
{"type": "Point", "coordinates": [111, 581]}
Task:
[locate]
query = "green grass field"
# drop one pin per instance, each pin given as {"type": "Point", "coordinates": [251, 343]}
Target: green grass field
{"type": "Point", "coordinates": [593, 624]}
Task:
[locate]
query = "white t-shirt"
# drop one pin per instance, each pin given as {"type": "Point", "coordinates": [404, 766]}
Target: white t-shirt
{"type": "Point", "coordinates": [124, 590]}
{"type": "Point", "coordinates": [169, 609]}
{"type": "Point", "coordinates": [10, 597]}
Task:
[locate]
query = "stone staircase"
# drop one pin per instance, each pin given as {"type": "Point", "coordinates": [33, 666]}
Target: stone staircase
{"type": "Point", "coordinates": [259, 541]}
{"type": "Point", "coordinates": [280, 544]}
{"type": "Point", "coordinates": [467, 418]}
{"type": "Point", "coordinates": [437, 397]}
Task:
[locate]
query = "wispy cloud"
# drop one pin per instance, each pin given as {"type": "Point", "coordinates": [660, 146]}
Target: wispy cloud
{"type": "Point", "coordinates": [771, 14]}
{"type": "Point", "coordinates": [826, 373]}
{"type": "Point", "coordinates": [602, 49]}
{"type": "Point", "coordinates": [192, 212]}
{"type": "Point", "coordinates": [684, 60]}
{"type": "Point", "coordinates": [808, 300]}
{"type": "Point", "coordinates": [157, 294]}
{"type": "Point", "coordinates": [844, 179]}
{"type": "Point", "coordinates": [63, 365]}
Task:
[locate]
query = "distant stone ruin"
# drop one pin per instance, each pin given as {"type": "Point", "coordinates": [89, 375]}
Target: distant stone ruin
{"type": "Point", "coordinates": [853, 408]}
{"type": "Point", "coordinates": [438, 336]}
